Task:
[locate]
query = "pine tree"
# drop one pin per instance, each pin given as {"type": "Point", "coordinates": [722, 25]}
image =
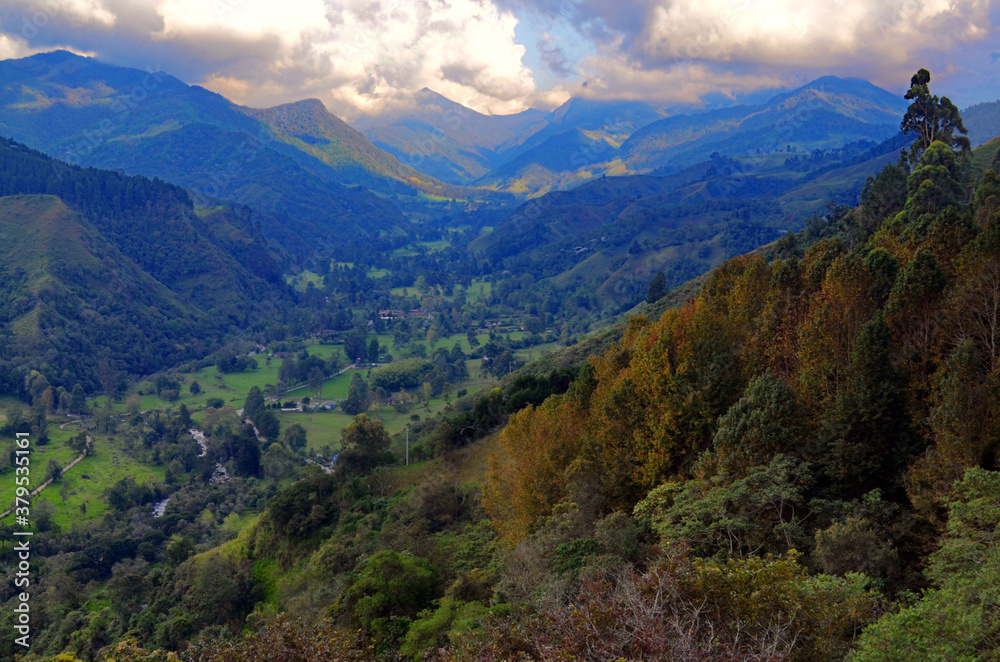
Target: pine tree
{"type": "Point", "coordinates": [871, 439]}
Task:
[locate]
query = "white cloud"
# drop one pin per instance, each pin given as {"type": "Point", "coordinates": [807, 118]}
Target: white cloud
{"type": "Point", "coordinates": [12, 48]}
{"type": "Point", "coordinates": [619, 77]}
{"type": "Point", "coordinates": [793, 33]}
{"type": "Point", "coordinates": [356, 55]}
{"type": "Point", "coordinates": [361, 54]}
{"type": "Point", "coordinates": [643, 41]}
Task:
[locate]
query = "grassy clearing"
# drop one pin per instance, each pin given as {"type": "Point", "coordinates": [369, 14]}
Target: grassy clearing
{"type": "Point", "coordinates": [110, 461]}
{"type": "Point", "coordinates": [467, 464]}
{"type": "Point", "coordinates": [301, 282]}
{"type": "Point", "coordinates": [434, 246]}
{"type": "Point", "coordinates": [322, 428]}
{"type": "Point", "coordinates": [478, 290]}
{"type": "Point", "coordinates": [107, 463]}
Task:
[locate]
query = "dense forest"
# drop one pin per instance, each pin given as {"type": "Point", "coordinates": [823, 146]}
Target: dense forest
{"type": "Point", "coordinates": [798, 461]}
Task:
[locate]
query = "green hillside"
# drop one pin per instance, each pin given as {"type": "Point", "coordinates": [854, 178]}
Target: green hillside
{"type": "Point", "coordinates": [68, 295]}
{"type": "Point", "coordinates": [225, 265]}
{"type": "Point", "coordinates": [983, 122]}
{"type": "Point", "coordinates": [100, 262]}
{"type": "Point", "coordinates": [985, 156]}
{"type": "Point", "coordinates": [310, 128]}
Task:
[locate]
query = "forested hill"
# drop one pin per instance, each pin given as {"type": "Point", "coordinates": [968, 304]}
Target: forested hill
{"type": "Point", "coordinates": [606, 239]}
{"type": "Point", "coordinates": [837, 405]}
{"type": "Point", "coordinates": [96, 259]}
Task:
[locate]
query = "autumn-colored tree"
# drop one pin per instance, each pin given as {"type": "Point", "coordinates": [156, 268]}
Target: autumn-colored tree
{"type": "Point", "coordinates": [914, 313]}
{"type": "Point", "coordinates": [660, 393]}
{"type": "Point", "coordinates": [828, 334]}
{"type": "Point", "coordinates": [776, 329]}
{"type": "Point", "coordinates": [974, 301]}
{"type": "Point", "coordinates": [529, 474]}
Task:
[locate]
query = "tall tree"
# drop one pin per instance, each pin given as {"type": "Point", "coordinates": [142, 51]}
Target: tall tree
{"type": "Point", "coordinates": [294, 437]}
{"type": "Point", "coordinates": [931, 118]}
{"type": "Point", "coordinates": [365, 444]}
{"type": "Point", "coordinates": [764, 423]}
{"type": "Point", "coordinates": [357, 396]}
{"type": "Point", "coordinates": [316, 378]}
{"type": "Point", "coordinates": [107, 374]}
{"type": "Point", "coordinates": [871, 437]}
{"type": "Point", "coordinates": [254, 404]}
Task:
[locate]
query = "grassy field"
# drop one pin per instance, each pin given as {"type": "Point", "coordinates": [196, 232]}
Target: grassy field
{"type": "Point", "coordinates": [467, 464]}
{"type": "Point", "coordinates": [322, 428]}
{"type": "Point", "coordinates": [107, 463]}
{"type": "Point", "coordinates": [983, 155]}
{"type": "Point", "coordinates": [478, 290]}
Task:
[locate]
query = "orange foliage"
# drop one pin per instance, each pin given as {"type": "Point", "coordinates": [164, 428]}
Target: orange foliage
{"type": "Point", "coordinates": [529, 473]}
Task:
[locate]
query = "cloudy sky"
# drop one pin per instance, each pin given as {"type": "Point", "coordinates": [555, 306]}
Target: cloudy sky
{"type": "Point", "coordinates": [501, 56]}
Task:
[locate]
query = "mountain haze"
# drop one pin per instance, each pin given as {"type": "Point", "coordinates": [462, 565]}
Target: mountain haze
{"type": "Point", "coordinates": [445, 139]}
{"type": "Point", "coordinates": [153, 124]}
{"type": "Point", "coordinates": [827, 113]}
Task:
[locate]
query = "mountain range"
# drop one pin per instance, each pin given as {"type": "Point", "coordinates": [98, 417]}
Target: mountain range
{"type": "Point", "coordinates": [609, 192]}
{"type": "Point", "coordinates": [297, 162]}
{"type": "Point", "coordinates": [432, 158]}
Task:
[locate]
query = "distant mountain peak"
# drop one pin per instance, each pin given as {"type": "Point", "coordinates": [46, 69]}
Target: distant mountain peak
{"type": "Point", "coordinates": [56, 57]}
{"type": "Point", "coordinates": [314, 105]}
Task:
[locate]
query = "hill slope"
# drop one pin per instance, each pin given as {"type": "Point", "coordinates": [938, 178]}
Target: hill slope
{"type": "Point", "coordinates": [310, 128]}
{"type": "Point", "coordinates": [447, 140]}
{"type": "Point", "coordinates": [94, 259]}
{"type": "Point", "coordinates": [68, 294]}
{"type": "Point", "coordinates": [982, 121]}
{"type": "Point", "coordinates": [606, 239]}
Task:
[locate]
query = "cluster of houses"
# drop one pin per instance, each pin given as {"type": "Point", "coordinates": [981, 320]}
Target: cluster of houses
{"type": "Point", "coordinates": [389, 315]}
{"type": "Point", "coordinates": [326, 405]}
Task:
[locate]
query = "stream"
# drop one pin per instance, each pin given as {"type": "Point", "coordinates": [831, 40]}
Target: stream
{"type": "Point", "coordinates": [220, 475]}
